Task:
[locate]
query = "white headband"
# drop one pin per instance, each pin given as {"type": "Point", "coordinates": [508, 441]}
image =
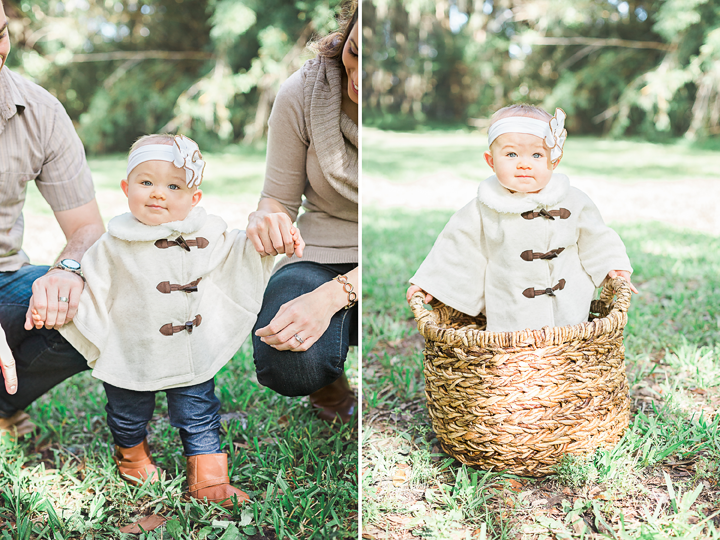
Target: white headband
{"type": "Point", "coordinates": [553, 132]}
{"type": "Point", "coordinates": [184, 153]}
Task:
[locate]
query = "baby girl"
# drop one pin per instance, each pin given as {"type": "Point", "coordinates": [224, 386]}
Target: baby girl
{"type": "Point", "coordinates": [170, 296]}
{"type": "Point", "coordinates": [530, 249]}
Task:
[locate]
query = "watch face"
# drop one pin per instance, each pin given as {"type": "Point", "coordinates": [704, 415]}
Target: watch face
{"type": "Point", "coordinates": [71, 264]}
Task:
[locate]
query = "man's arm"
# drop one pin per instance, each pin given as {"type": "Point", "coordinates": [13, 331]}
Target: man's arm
{"type": "Point", "coordinates": [82, 227]}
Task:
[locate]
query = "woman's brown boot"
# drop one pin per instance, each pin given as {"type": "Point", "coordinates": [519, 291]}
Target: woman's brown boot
{"type": "Point", "coordinates": [207, 478]}
{"type": "Point", "coordinates": [136, 465]}
{"type": "Point", "coordinates": [336, 400]}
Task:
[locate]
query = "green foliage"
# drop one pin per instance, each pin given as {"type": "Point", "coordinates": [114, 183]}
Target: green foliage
{"type": "Point", "coordinates": [208, 68]}
{"type": "Point", "coordinates": [649, 69]}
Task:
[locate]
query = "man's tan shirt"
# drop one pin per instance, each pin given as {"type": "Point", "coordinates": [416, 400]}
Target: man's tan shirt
{"type": "Point", "coordinates": [37, 142]}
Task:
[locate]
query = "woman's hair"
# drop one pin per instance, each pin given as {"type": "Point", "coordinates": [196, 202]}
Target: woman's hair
{"type": "Point", "coordinates": [521, 109]}
{"type": "Point", "coordinates": [155, 138]}
{"type": "Point", "coordinates": [331, 46]}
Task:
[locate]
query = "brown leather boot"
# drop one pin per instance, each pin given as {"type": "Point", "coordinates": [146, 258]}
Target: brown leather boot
{"type": "Point", "coordinates": [334, 401]}
{"type": "Point", "coordinates": [207, 478]}
{"type": "Point", "coordinates": [136, 465]}
{"type": "Point", "coordinates": [17, 425]}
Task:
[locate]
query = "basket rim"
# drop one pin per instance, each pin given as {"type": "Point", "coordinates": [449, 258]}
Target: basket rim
{"type": "Point", "coordinates": [429, 327]}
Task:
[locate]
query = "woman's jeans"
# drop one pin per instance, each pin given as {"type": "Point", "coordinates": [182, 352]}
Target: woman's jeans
{"type": "Point", "coordinates": [43, 357]}
{"type": "Point", "coordinates": [302, 373]}
{"type": "Point", "coordinates": [192, 409]}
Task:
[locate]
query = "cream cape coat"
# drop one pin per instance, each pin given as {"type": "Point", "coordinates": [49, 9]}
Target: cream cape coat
{"type": "Point", "coordinates": [476, 265]}
{"type": "Point", "coordinates": [117, 327]}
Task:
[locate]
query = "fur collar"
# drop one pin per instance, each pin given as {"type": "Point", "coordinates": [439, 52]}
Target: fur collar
{"type": "Point", "coordinates": [127, 227]}
{"type": "Point", "coordinates": [493, 195]}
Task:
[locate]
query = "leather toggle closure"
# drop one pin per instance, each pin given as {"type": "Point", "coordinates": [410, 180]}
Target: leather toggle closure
{"type": "Point", "coordinates": [532, 293]}
{"type": "Point", "coordinates": [563, 213]}
{"type": "Point", "coordinates": [168, 329]}
{"type": "Point", "coordinates": [530, 255]}
{"type": "Point", "coordinates": [199, 242]}
{"type": "Point", "coordinates": [166, 287]}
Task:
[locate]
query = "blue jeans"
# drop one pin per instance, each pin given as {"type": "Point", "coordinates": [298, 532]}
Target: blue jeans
{"type": "Point", "coordinates": [192, 409]}
{"type": "Point", "coordinates": [43, 357]}
{"type": "Point", "coordinates": [302, 373]}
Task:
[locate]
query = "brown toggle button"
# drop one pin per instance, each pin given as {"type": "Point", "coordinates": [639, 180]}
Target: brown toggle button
{"type": "Point", "coordinates": [530, 255]}
{"type": "Point", "coordinates": [199, 242]}
{"type": "Point", "coordinates": [166, 287]}
{"type": "Point", "coordinates": [563, 213]}
{"type": "Point", "coordinates": [532, 293]}
{"type": "Point", "coordinates": [168, 329]}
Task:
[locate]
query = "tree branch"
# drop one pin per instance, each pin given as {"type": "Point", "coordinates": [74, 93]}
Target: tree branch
{"type": "Point", "coordinates": [598, 42]}
{"type": "Point", "coordinates": [135, 55]}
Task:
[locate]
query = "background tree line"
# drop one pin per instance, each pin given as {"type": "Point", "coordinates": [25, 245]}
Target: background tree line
{"type": "Point", "coordinates": [123, 68]}
{"type": "Point", "coordinates": [620, 67]}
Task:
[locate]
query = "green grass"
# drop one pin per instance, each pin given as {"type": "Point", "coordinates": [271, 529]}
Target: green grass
{"type": "Point", "coordinates": [408, 156]}
{"type": "Point", "coordinates": [300, 472]}
{"type": "Point", "coordinates": [660, 481]}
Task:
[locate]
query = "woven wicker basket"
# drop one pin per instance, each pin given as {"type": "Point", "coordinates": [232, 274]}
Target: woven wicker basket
{"type": "Point", "coordinates": [519, 401]}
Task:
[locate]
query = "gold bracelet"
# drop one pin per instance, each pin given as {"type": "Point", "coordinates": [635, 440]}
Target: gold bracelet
{"type": "Point", "coordinates": [349, 289]}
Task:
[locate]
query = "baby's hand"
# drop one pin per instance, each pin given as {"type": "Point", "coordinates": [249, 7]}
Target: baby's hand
{"type": "Point", "coordinates": [298, 242]}
{"type": "Point", "coordinates": [37, 320]}
{"type": "Point", "coordinates": [625, 275]}
{"type": "Point", "coordinates": [413, 289]}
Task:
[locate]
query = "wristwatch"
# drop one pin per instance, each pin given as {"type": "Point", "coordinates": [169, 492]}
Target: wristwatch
{"type": "Point", "coordinates": [70, 265]}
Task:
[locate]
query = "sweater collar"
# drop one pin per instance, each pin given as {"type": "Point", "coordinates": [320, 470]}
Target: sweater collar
{"type": "Point", "coordinates": [127, 227]}
{"type": "Point", "coordinates": [493, 195]}
{"type": "Point", "coordinates": [333, 134]}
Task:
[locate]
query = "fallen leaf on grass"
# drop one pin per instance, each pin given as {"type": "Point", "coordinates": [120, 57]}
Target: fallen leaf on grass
{"type": "Point", "coordinates": [148, 523]}
{"type": "Point", "coordinates": [600, 494]}
{"type": "Point", "coordinates": [241, 445]}
{"type": "Point", "coordinates": [402, 474]}
{"type": "Point", "coordinates": [515, 485]}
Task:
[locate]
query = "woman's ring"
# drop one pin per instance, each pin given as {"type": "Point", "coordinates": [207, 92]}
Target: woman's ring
{"type": "Point", "coordinates": [63, 299]}
{"type": "Point", "coordinates": [300, 340]}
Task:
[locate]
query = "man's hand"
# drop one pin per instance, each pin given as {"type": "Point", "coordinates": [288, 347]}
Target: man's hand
{"type": "Point", "coordinates": [7, 363]}
{"type": "Point", "coordinates": [46, 307]}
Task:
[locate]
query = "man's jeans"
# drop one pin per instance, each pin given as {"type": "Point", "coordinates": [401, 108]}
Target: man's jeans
{"type": "Point", "coordinates": [192, 409]}
{"type": "Point", "coordinates": [43, 357]}
{"type": "Point", "coordinates": [302, 373]}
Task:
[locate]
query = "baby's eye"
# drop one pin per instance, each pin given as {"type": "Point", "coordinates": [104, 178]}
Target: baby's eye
{"type": "Point", "coordinates": [537, 155]}
{"type": "Point", "coordinates": [173, 186]}
{"type": "Point", "coordinates": [511, 154]}
{"type": "Point", "coordinates": [146, 183]}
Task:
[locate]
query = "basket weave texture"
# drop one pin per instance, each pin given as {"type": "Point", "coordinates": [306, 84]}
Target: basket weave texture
{"type": "Point", "coordinates": [519, 401]}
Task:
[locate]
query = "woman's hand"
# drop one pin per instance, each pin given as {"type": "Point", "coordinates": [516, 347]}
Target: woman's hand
{"type": "Point", "coordinates": [307, 316]}
{"type": "Point", "coordinates": [624, 275]}
{"type": "Point", "coordinates": [273, 232]}
{"type": "Point", "coordinates": [413, 289]}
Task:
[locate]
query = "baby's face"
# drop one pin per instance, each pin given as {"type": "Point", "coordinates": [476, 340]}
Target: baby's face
{"type": "Point", "coordinates": [157, 193]}
{"type": "Point", "coordinates": [521, 162]}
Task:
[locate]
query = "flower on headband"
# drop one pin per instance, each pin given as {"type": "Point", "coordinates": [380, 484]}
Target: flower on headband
{"type": "Point", "coordinates": [186, 154]}
{"type": "Point", "coordinates": [556, 138]}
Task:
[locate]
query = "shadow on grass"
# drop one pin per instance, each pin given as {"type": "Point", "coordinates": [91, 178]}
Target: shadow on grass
{"type": "Point", "coordinates": [408, 156]}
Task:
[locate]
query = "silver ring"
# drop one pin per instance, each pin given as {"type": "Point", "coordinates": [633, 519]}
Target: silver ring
{"type": "Point", "coordinates": [300, 340]}
{"type": "Point", "coordinates": [63, 299]}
